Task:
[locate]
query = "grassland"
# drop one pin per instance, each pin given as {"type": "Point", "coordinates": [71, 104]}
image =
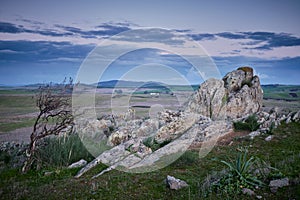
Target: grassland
{"type": "Point", "coordinates": [283, 152]}
{"type": "Point", "coordinates": [16, 111]}
{"type": "Point", "coordinates": [282, 92]}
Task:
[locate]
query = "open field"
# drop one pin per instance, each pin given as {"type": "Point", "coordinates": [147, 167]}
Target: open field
{"type": "Point", "coordinates": [282, 92]}
{"type": "Point", "coordinates": [18, 111]}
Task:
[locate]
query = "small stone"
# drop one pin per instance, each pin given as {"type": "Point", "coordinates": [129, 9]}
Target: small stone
{"type": "Point", "coordinates": [288, 120]}
{"type": "Point", "coordinates": [269, 138]}
{"type": "Point", "coordinates": [279, 183]}
{"type": "Point", "coordinates": [80, 163]}
{"type": "Point", "coordinates": [254, 134]}
{"type": "Point", "coordinates": [248, 191]}
{"type": "Point", "coordinates": [175, 184]}
{"type": "Point", "coordinates": [275, 184]}
{"type": "Point", "coordinates": [48, 173]}
{"type": "Point", "coordinates": [296, 116]}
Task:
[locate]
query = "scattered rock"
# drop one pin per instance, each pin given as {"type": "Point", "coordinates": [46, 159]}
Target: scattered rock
{"type": "Point", "coordinates": [175, 184]}
{"type": "Point", "coordinates": [279, 183]}
{"type": "Point", "coordinates": [248, 192]}
{"type": "Point", "coordinates": [48, 173]}
{"type": "Point", "coordinates": [296, 116]}
{"type": "Point", "coordinates": [79, 163]}
{"type": "Point", "coordinates": [269, 138]}
{"type": "Point", "coordinates": [254, 134]}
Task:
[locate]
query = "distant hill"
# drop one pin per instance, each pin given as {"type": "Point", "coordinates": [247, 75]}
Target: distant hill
{"type": "Point", "coordinates": [124, 84]}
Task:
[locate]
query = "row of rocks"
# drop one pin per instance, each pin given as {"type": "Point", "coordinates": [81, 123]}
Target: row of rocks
{"type": "Point", "coordinates": [271, 120]}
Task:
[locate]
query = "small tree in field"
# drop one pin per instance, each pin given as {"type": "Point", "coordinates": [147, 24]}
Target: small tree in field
{"type": "Point", "coordinates": [55, 116]}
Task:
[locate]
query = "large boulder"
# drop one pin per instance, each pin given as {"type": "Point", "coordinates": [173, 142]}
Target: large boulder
{"type": "Point", "coordinates": [238, 94]}
{"type": "Point", "coordinates": [209, 100]}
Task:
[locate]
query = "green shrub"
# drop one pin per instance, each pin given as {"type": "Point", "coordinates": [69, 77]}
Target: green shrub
{"type": "Point", "coordinates": [250, 124]}
{"type": "Point", "coordinates": [61, 151]}
{"type": "Point", "coordinates": [153, 144]}
{"type": "Point", "coordinates": [240, 174]}
{"type": "Point", "coordinates": [4, 157]}
{"type": "Point", "coordinates": [247, 82]}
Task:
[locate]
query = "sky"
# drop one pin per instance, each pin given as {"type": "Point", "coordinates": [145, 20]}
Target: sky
{"type": "Point", "coordinates": [45, 41]}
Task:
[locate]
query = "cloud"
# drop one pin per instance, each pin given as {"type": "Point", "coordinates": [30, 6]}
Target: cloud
{"type": "Point", "coordinates": [268, 40]}
{"type": "Point", "coordinates": [6, 27]}
{"type": "Point", "coordinates": [41, 51]}
{"type": "Point", "coordinates": [35, 27]}
{"type": "Point", "coordinates": [202, 36]}
{"type": "Point", "coordinates": [154, 35]}
{"type": "Point", "coordinates": [260, 40]}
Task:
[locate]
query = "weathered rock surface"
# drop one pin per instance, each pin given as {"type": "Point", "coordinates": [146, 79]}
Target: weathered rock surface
{"type": "Point", "coordinates": [237, 95]}
{"type": "Point", "coordinates": [279, 183]}
{"type": "Point", "coordinates": [175, 184]}
{"type": "Point", "coordinates": [248, 192]}
{"type": "Point", "coordinates": [79, 163]}
{"type": "Point", "coordinates": [176, 128]}
{"type": "Point", "coordinates": [270, 121]}
{"type": "Point", "coordinates": [209, 100]}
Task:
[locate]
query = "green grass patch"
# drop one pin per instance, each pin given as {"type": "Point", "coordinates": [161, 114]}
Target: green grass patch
{"type": "Point", "coordinates": [61, 151]}
{"type": "Point", "coordinates": [250, 124]}
{"type": "Point", "coordinates": [282, 152]}
{"type": "Point", "coordinates": [6, 127]}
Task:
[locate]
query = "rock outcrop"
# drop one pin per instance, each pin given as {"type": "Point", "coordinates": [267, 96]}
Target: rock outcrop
{"type": "Point", "coordinates": [237, 95]}
{"type": "Point", "coordinates": [172, 132]}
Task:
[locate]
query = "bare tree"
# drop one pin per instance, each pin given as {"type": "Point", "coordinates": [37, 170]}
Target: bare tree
{"type": "Point", "coordinates": [55, 116]}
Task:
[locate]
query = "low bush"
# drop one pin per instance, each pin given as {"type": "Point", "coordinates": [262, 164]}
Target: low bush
{"type": "Point", "coordinates": [153, 144]}
{"type": "Point", "coordinates": [250, 124]}
{"type": "Point", "coordinates": [240, 174]}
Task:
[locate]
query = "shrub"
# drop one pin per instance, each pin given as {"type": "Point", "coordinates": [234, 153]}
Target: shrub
{"type": "Point", "coordinates": [153, 144]}
{"type": "Point", "coordinates": [61, 151]}
{"type": "Point", "coordinates": [240, 174]}
{"type": "Point", "coordinates": [250, 124]}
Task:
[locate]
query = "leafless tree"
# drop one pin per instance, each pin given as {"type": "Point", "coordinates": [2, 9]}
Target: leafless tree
{"type": "Point", "coordinates": [55, 116]}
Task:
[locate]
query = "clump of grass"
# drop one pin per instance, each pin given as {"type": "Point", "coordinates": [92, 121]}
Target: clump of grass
{"type": "Point", "coordinates": [240, 174]}
{"type": "Point", "coordinates": [247, 82]}
{"type": "Point", "coordinates": [153, 144]}
{"type": "Point", "coordinates": [250, 124]}
{"type": "Point", "coordinates": [61, 151]}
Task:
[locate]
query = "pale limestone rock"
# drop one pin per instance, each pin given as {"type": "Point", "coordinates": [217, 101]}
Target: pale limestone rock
{"type": "Point", "coordinates": [79, 163]}
{"type": "Point", "coordinates": [175, 184]}
{"type": "Point", "coordinates": [237, 95]}
{"type": "Point", "coordinates": [209, 100]}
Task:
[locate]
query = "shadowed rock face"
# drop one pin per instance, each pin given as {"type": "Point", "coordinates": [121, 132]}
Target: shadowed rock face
{"type": "Point", "coordinates": [238, 94]}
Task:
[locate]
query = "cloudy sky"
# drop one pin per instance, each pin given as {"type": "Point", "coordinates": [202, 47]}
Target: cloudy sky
{"type": "Point", "coordinates": [42, 41]}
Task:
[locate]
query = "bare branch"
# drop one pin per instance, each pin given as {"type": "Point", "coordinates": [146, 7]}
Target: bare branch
{"type": "Point", "coordinates": [55, 116]}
